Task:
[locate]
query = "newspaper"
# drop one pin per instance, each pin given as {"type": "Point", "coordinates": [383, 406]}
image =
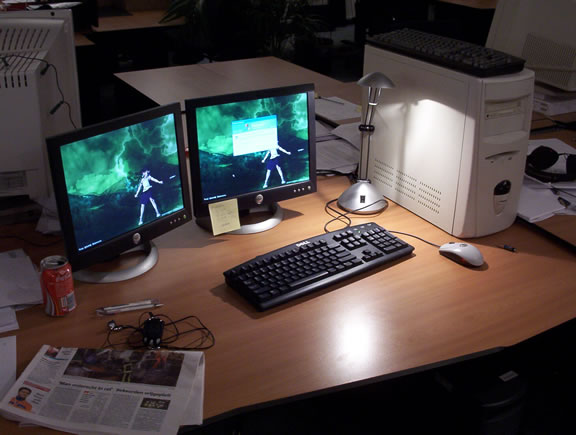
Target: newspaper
{"type": "Point", "coordinates": [109, 391]}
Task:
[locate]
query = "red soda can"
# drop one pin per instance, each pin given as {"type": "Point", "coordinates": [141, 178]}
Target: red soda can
{"type": "Point", "coordinates": [57, 286]}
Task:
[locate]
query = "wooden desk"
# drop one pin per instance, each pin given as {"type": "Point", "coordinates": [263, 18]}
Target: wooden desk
{"type": "Point", "coordinates": [419, 311]}
{"type": "Point", "coordinates": [145, 19]}
{"type": "Point", "coordinates": [423, 310]}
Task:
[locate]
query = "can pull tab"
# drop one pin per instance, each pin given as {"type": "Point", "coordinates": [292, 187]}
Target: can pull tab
{"type": "Point", "coordinates": [55, 263]}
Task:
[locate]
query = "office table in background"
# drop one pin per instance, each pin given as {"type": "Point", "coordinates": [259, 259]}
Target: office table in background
{"type": "Point", "coordinates": [178, 83]}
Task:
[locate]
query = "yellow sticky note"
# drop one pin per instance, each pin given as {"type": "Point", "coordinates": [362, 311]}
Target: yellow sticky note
{"type": "Point", "coordinates": [224, 216]}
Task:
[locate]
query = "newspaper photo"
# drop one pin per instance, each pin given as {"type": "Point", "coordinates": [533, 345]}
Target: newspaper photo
{"type": "Point", "coordinates": [109, 391]}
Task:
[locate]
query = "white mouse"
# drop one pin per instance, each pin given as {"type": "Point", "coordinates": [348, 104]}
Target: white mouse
{"type": "Point", "coordinates": [462, 253]}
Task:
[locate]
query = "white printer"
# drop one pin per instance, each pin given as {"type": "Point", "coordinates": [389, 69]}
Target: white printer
{"type": "Point", "coordinates": [449, 146]}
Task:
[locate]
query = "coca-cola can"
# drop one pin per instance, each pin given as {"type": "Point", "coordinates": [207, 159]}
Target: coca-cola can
{"type": "Point", "coordinates": [57, 285]}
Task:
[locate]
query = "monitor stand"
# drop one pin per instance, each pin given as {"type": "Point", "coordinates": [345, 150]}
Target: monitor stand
{"type": "Point", "coordinates": [145, 260]}
{"type": "Point", "coordinates": [255, 220]}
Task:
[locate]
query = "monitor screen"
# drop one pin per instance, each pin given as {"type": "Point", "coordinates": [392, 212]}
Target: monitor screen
{"type": "Point", "coordinates": [257, 147]}
{"type": "Point", "coordinates": [120, 183]}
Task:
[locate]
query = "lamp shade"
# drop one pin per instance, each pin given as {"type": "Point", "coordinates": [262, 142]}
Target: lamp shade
{"type": "Point", "coordinates": [376, 80]}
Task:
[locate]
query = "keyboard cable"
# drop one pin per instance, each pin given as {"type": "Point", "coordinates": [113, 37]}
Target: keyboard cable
{"type": "Point", "coordinates": [337, 215]}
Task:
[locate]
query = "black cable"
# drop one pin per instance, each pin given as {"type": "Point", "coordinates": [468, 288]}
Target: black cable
{"type": "Point", "coordinates": [348, 221]}
{"type": "Point", "coordinates": [333, 172]}
{"type": "Point", "coordinates": [344, 217]}
{"type": "Point", "coordinates": [416, 237]}
{"type": "Point", "coordinates": [203, 340]}
{"type": "Point", "coordinates": [48, 65]}
{"type": "Point", "coordinates": [565, 125]}
{"type": "Point", "coordinates": [108, 343]}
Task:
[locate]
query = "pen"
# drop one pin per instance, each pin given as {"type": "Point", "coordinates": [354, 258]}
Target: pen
{"type": "Point", "coordinates": [108, 311]}
{"type": "Point", "coordinates": [131, 308]}
{"type": "Point", "coordinates": [130, 304]}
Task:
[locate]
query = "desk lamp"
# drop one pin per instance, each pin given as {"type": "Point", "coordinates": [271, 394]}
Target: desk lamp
{"type": "Point", "coordinates": [362, 197]}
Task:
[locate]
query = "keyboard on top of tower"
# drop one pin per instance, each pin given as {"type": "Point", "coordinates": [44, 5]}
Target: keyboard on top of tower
{"type": "Point", "coordinates": [450, 53]}
{"type": "Point", "coordinates": [301, 268]}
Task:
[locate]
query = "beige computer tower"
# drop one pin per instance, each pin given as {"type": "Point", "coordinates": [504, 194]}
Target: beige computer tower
{"type": "Point", "coordinates": [449, 146]}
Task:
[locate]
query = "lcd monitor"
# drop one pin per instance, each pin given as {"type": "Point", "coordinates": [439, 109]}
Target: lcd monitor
{"type": "Point", "coordinates": [256, 148]}
{"type": "Point", "coordinates": [118, 185]}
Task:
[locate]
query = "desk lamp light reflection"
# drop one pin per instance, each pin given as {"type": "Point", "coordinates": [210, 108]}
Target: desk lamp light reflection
{"type": "Point", "coordinates": [362, 197]}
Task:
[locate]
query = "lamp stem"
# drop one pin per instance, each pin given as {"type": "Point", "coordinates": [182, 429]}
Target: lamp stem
{"type": "Point", "coordinates": [366, 129]}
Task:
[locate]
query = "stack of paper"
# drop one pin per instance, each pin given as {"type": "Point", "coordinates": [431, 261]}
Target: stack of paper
{"type": "Point", "coordinates": [19, 286]}
{"type": "Point", "coordinates": [551, 105]}
{"type": "Point", "coordinates": [7, 363]}
{"type": "Point", "coordinates": [337, 149]}
{"type": "Point", "coordinates": [108, 391]}
{"type": "Point", "coordinates": [539, 200]}
{"type": "Point", "coordinates": [335, 109]}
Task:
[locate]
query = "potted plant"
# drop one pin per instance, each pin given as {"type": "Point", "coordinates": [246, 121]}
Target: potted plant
{"type": "Point", "coordinates": [229, 29]}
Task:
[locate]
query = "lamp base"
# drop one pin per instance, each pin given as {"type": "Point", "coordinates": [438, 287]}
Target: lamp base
{"type": "Point", "coordinates": [362, 198]}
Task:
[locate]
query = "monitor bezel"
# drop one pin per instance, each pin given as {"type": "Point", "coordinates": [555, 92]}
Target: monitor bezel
{"type": "Point", "coordinates": [263, 197]}
{"type": "Point", "coordinates": [141, 235]}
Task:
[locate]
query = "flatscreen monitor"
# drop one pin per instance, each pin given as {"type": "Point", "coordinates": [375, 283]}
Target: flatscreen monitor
{"type": "Point", "coordinates": [255, 147]}
{"type": "Point", "coordinates": [543, 33]}
{"type": "Point", "coordinates": [118, 185]}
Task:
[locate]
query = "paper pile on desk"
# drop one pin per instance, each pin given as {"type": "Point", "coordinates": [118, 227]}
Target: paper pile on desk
{"type": "Point", "coordinates": [7, 363]}
{"type": "Point", "coordinates": [19, 281]}
{"type": "Point", "coordinates": [109, 391]}
{"type": "Point", "coordinates": [19, 286]}
{"type": "Point", "coordinates": [335, 109]}
{"type": "Point", "coordinates": [539, 200]}
{"type": "Point", "coordinates": [337, 149]}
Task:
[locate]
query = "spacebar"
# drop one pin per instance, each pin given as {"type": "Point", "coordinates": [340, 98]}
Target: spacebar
{"type": "Point", "coordinates": [302, 282]}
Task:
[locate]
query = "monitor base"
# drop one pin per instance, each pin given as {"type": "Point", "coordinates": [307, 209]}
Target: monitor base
{"type": "Point", "coordinates": [362, 198]}
{"type": "Point", "coordinates": [255, 220]}
{"type": "Point", "coordinates": [144, 264]}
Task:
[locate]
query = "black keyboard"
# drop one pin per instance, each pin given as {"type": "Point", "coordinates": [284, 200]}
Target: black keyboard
{"type": "Point", "coordinates": [301, 268]}
{"type": "Point", "coordinates": [450, 53]}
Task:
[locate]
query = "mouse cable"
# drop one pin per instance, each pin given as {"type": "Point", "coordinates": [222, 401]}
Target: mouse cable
{"type": "Point", "coordinates": [44, 70]}
{"type": "Point", "coordinates": [416, 237]}
{"type": "Point", "coordinates": [344, 218]}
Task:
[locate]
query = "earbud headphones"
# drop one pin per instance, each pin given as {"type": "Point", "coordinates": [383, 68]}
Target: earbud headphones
{"type": "Point", "coordinates": [543, 158]}
{"type": "Point", "coordinates": [112, 326]}
{"type": "Point", "coordinates": [159, 331]}
{"type": "Point", "coordinates": [151, 330]}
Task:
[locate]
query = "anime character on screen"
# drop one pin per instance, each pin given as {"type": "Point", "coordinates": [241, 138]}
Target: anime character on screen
{"type": "Point", "coordinates": [146, 196]}
{"type": "Point", "coordinates": [274, 163]}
